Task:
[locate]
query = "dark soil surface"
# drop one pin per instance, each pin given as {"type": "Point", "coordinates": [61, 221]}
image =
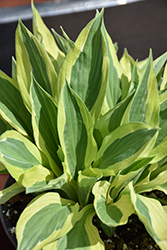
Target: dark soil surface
{"type": "Point", "coordinates": [132, 236]}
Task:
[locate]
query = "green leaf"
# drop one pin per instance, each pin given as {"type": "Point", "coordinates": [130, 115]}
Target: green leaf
{"type": "Point", "coordinates": [36, 174]}
{"type": "Point", "coordinates": [144, 177]}
{"type": "Point", "coordinates": [159, 152]}
{"type": "Point", "coordinates": [84, 235]}
{"type": "Point", "coordinates": [126, 175]}
{"type": "Point", "coordinates": [3, 171]}
{"type": "Point", "coordinates": [14, 71]}
{"type": "Point", "coordinates": [112, 119]}
{"type": "Point", "coordinates": [125, 86]}
{"type": "Point", "coordinates": [145, 103]}
{"type": "Point", "coordinates": [135, 77]}
{"type": "Point", "coordinates": [113, 90]}
{"type": "Point", "coordinates": [162, 117]}
{"type": "Point", "coordinates": [46, 211]}
{"type": "Point", "coordinates": [163, 100]}
{"type": "Point", "coordinates": [71, 43]}
{"type": "Point", "coordinates": [122, 147]}
{"type": "Point", "coordinates": [12, 108]}
{"type": "Point", "coordinates": [152, 215]}
{"type": "Point", "coordinates": [158, 183]}
{"type": "Point", "coordinates": [45, 37]}
{"type": "Point", "coordinates": [86, 67]}
{"type": "Point", "coordinates": [42, 67]}
{"type": "Point", "coordinates": [106, 229]}
{"type": "Point", "coordinates": [142, 64]}
{"type": "Point", "coordinates": [159, 63]}
{"type": "Point", "coordinates": [86, 180]}
{"type": "Point", "coordinates": [44, 122]}
{"type": "Point", "coordinates": [112, 52]}
{"type": "Point", "coordinates": [64, 45]}
{"type": "Point", "coordinates": [164, 80]}
{"type": "Point", "coordinates": [3, 126]}
{"type": "Point", "coordinates": [9, 192]}
{"type": "Point", "coordinates": [6, 77]}
{"type": "Point", "coordinates": [75, 128]}
{"type": "Point", "coordinates": [111, 213]}
{"type": "Point", "coordinates": [61, 183]}
{"type": "Point", "coordinates": [127, 63]}
{"type": "Point", "coordinates": [19, 154]}
{"type": "Point", "coordinates": [2, 167]}
{"type": "Point", "coordinates": [23, 68]}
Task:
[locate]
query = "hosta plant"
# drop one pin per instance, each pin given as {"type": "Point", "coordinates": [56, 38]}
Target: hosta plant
{"type": "Point", "coordinates": [86, 134]}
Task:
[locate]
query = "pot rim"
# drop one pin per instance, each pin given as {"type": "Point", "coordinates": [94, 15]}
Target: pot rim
{"type": "Point", "coordinates": [6, 224]}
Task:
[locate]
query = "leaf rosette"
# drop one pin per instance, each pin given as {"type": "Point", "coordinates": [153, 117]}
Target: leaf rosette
{"type": "Point", "coordinates": [85, 134]}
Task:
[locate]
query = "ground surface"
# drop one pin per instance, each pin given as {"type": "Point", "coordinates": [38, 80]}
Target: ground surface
{"type": "Point", "coordinates": [131, 236]}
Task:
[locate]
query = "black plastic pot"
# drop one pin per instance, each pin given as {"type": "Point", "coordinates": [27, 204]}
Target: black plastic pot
{"type": "Point", "coordinates": [6, 223]}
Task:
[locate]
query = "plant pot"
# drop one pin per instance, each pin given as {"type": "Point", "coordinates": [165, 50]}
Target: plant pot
{"type": "Point", "coordinates": [5, 244]}
{"type": "Point", "coordinates": [3, 179]}
{"type": "Point", "coordinates": [6, 223]}
{"type": "Point", "coordinates": [11, 3]}
{"type": "Point", "coordinates": [11, 210]}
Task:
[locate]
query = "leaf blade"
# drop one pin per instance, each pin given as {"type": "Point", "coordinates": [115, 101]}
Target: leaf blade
{"type": "Point", "coordinates": [49, 209]}
{"type": "Point", "coordinates": [44, 122]}
{"type": "Point", "coordinates": [75, 128]}
{"type": "Point", "coordinates": [25, 155]}
{"type": "Point", "coordinates": [152, 215]}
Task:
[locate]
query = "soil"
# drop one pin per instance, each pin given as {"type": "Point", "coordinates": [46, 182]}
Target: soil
{"type": "Point", "coordinates": [132, 236]}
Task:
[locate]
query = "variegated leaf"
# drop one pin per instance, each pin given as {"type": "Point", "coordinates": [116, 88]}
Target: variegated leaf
{"type": "Point", "coordinates": [36, 174]}
{"type": "Point", "coordinates": [11, 191]}
{"type": "Point", "coordinates": [109, 212]}
{"type": "Point", "coordinates": [159, 63]}
{"type": "Point", "coordinates": [23, 68]}
{"type": "Point", "coordinates": [144, 177]}
{"type": "Point", "coordinates": [19, 154]}
{"type": "Point", "coordinates": [86, 67]}
{"type": "Point", "coordinates": [14, 71]}
{"type": "Point", "coordinates": [111, 120]}
{"type": "Point", "coordinates": [157, 181]}
{"type": "Point", "coordinates": [84, 235]}
{"type": "Point", "coordinates": [2, 167]}
{"type": "Point", "coordinates": [164, 80]}
{"type": "Point", "coordinates": [4, 126]}
{"type": "Point", "coordinates": [162, 117]}
{"type": "Point", "coordinates": [12, 108]}
{"type": "Point", "coordinates": [64, 45]}
{"type": "Point", "coordinates": [115, 71]}
{"type": "Point", "coordinates": [9, 79]}
{"type": "Point", "coordinates": [47, 218]}
{"type": "Point", "coordinates": [75, 128]}
{"type": "Point", "coordinates": [152, 215]}
{"type": "Point", "coordinates": [42, 67]}
{"type": "Point", "coordinates": [122, 146]}
{"type": "Point", "coordinates": [45, 37]}
{"type": "Point", "coordinates": [127, 63]}
{"type": "Point", "coordinates": [125, 176]}
{"type": "Point", "coordinates": [63, 183]}
{"type": "Point", "coordinates": [159, 152]}
{"type": "Point", "coordinates": [44, 121]}
{"type": "Point", "coordinates": [86, 180]}
{"type": "Point", "coordinates": [145, 103]}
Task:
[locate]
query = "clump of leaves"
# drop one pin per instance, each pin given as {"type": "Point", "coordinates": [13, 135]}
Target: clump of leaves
{"type": "Point", "coordinates": [85, 133]}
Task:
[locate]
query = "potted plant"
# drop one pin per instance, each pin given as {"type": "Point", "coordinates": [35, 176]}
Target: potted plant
{"type": "Point", "coordinates": [86, 137]}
